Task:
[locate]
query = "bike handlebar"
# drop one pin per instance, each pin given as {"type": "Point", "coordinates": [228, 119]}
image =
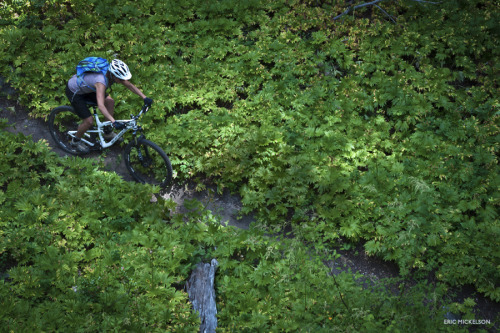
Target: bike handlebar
{"type": "Point", "coordinates": [144, 109]}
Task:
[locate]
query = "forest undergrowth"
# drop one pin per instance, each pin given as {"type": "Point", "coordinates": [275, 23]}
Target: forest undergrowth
{"type": "Point", "coordinates": [379, 127]}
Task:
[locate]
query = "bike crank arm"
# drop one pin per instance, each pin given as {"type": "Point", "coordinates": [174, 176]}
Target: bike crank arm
{"type": "Point", "coordinates": [72, 134]}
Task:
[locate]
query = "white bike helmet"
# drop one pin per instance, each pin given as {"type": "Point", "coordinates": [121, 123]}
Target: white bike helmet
{"type": "Point", "coordinates": [119, 69]}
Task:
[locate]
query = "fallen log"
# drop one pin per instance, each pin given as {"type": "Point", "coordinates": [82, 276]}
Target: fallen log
{"type": "Point", "coordinates": [200, 288]}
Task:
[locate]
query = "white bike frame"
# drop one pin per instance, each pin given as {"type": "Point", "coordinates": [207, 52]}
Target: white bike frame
{"type": "Point", "coordinates": [130, 124]}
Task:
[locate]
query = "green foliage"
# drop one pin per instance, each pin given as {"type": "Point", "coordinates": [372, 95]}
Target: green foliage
{"type": "Point", "coordinates": [82, 250]}
{"type": "Point", "coordinates": [363, 128]}
{"type": "Point", "coordinates": [269, 286]}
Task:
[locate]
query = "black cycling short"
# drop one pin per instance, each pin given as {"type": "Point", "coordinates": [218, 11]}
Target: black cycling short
{"type": "Point", "coordinates": [79, 102]}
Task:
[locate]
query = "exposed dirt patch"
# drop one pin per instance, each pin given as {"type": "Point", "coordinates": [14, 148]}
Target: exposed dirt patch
{"type": "Point", "coordinates": [228, 205]}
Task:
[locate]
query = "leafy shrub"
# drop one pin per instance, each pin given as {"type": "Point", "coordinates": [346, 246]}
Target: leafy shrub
{"type": "Point", "coordinates": [363, 128]}
{"type": "Point", "coordinates": [82, 250]}
{"type": "Point", "coordinates": [68, 242]}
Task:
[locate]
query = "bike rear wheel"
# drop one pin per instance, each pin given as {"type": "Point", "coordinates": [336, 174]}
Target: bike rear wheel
{"type": "Point", "coordinates": [63, 123]}
{"type": "Point", "coordinates": [148, 163]}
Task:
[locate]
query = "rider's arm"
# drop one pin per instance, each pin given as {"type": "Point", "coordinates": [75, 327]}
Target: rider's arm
{"type": "Point", "coordinates": [130, 86]}
{"type": "Point", "coordinates": [100, 96]}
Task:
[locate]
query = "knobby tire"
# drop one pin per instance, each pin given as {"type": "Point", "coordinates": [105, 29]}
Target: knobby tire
{"type": "Point", "coordinates": [61, 120]}
{"type": "Point", "coordinates": [148, 163]}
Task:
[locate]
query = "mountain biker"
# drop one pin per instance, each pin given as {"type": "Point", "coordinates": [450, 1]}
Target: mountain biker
{"type": "Point", "coordinates": [94, 90]}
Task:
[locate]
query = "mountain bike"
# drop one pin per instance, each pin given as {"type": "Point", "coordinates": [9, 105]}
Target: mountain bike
{"type": "Point", "coordinates": [145, 160]}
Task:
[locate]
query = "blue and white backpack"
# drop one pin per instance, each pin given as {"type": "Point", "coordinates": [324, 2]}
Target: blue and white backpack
{"type": "Point", "coordinates": [91, 64]}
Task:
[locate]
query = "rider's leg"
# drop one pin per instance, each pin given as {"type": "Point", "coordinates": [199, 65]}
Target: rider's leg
{"type": "Point", "coordinates": [84, 127]}
{"type": "Point", "coordinates": [79, 103]}
{"type": "Point", "coordinates": [110, 106]}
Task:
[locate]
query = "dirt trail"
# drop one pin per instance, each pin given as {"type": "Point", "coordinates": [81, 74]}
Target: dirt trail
{"type": "Point", "coordinates": [227, 206]}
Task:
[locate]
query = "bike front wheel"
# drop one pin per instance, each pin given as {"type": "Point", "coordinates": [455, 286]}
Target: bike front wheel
{"type": "Point", "coordinates": [148, 163]}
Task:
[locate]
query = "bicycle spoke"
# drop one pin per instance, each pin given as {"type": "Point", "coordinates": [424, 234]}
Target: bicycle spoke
{"type": "Point", "coordinates": [148, 163]}
{"type": "Point", "coordinates": [63, 124]}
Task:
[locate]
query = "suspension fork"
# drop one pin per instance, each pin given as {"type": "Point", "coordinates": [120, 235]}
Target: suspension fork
{"type": "Point", "coordinates": [143, 156]}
